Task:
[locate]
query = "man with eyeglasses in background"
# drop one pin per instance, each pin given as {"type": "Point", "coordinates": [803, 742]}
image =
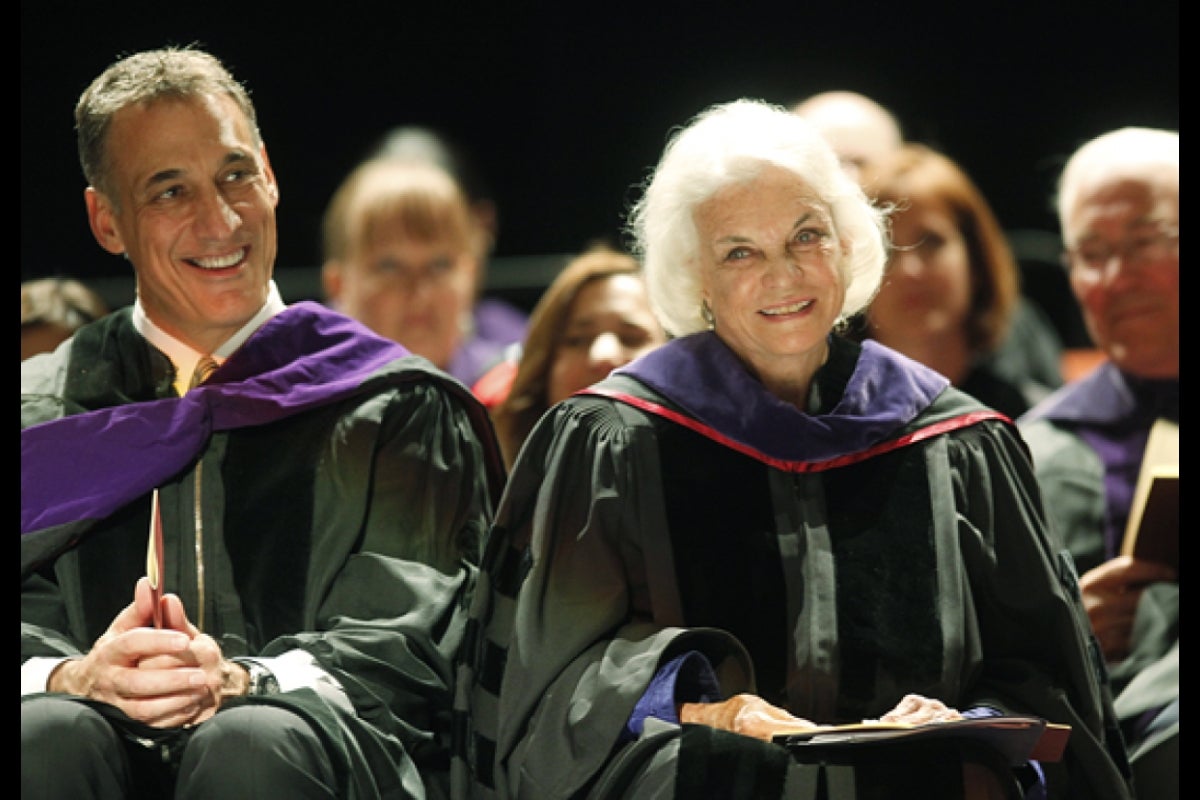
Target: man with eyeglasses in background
{"type": "Point", "coordinates": [1118, 206]}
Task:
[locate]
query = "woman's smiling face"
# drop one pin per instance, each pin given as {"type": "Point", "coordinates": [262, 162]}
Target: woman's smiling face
{"type": "Point", "coordinates": [769, 264]}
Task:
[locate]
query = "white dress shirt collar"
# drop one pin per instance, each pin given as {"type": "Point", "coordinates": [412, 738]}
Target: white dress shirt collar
{"type": "Point", "coordinates": [184, 357]}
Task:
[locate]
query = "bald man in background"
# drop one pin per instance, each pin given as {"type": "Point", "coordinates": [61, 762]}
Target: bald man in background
{"type": "Point", "coordinates": [861, 130]}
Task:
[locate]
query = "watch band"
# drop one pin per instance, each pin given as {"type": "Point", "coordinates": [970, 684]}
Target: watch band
{"type": "Point", "coordinates": [262, 680]}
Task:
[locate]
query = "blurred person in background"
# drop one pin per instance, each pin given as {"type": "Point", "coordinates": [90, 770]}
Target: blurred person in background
{"type": "Point", "coordinates": [52, 309]}
{"type": "Point", "coordinates": [593, 318]}
{"type": "Point", "coordinates": [862, 132]}
{"type": "Point", "coordinates": [1118, 205]}
{"type": "Point", "coordinates": [951, 285]}
{"type": "Point", "coordinates": [402, 253]}
{"type": "Point", "coordinates": [493, 318]}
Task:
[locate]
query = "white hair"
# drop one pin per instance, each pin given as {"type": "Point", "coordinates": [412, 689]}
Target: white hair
{"type": "Point", "coordinates": [728, 144]}
{"type": "Point", "coordinates": [1132, 150]}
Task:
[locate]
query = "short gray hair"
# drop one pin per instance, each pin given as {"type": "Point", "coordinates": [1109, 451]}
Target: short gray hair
{"type": "Point", "coordinates": [142, 78]}
{"type": "Point", "coordinates": [728, 144]}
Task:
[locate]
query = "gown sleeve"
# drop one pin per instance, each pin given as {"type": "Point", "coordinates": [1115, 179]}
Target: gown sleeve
{"type": "Point", "coordinates": [1039, 654]}
{"type": "Point", "coordinates": [585, 643]}
{"type": "Point", "coordinates": [405, 491]}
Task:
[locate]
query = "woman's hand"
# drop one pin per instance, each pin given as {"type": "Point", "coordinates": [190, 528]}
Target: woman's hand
{"type": "Point", "coordinates": [746, 714]}
{"type": "Point", "coordinates": [915, 709]}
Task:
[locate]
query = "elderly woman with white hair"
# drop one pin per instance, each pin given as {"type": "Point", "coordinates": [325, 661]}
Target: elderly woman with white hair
{"type": "Point", "coordinates": [762, 526]}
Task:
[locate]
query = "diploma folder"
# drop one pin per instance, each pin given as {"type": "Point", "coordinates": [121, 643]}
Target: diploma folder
{"type": "Point", "coordinates": [1152, 531]}
{"type": "Point", "coordinates": [1017, 738]}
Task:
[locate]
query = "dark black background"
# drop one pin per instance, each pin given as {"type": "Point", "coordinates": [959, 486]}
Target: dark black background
{"type": "Point", "coordinates": [566, 105]}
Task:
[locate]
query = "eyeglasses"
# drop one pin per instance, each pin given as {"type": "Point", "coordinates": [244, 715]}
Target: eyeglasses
{"type": "Point", "coordinates": [1095, 255]}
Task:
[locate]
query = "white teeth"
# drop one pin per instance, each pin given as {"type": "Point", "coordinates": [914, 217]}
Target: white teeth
{"type": "Point", "coordinates": [792, 309]}
{"type": "Point", "coordinates": [220, 262]}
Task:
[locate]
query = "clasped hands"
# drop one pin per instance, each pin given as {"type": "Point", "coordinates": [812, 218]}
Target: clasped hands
{"type": "Point", "coordinates": [171, 677]}
{"type": "Point", "coordinates": [750, 715]}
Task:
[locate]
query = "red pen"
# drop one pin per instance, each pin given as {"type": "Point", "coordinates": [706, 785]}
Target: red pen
{"type": "Point", "coordinates": [154, 558]}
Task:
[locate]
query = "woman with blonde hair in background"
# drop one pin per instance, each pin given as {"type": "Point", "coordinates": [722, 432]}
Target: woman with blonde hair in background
{"type": "Point", "coordinates": [402, 254]}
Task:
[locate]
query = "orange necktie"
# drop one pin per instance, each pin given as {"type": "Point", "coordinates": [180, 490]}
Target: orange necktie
{"type": "Point", "coordinates": [204, 367]}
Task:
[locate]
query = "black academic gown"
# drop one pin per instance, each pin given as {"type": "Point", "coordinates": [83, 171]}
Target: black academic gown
{"type": "Point", "coordinates": [337, 487]}
{"type": "Point", "coordinates": [892, 541]}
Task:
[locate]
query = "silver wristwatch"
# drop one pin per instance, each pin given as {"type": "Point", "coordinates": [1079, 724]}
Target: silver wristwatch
{"type": "Point", "coordinates": [262, 680]}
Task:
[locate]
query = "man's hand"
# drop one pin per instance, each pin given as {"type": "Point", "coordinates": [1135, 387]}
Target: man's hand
{"type": "Point", "coordinates": [169, 677]}
{"type": "Point", "coordinates": [1111, 593]}
{"type": "Point", "coordinates": [746, 714]}
{"type": "Point", "coordinates": [222, 677]}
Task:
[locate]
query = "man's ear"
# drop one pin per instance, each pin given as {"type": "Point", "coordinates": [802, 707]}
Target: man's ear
{"type": "Point", "coordinates": [272, 184]}
{"type": "Point", "coordinates": [331, 279]}
{"type": "Point", "coordinates": [103, 221]}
